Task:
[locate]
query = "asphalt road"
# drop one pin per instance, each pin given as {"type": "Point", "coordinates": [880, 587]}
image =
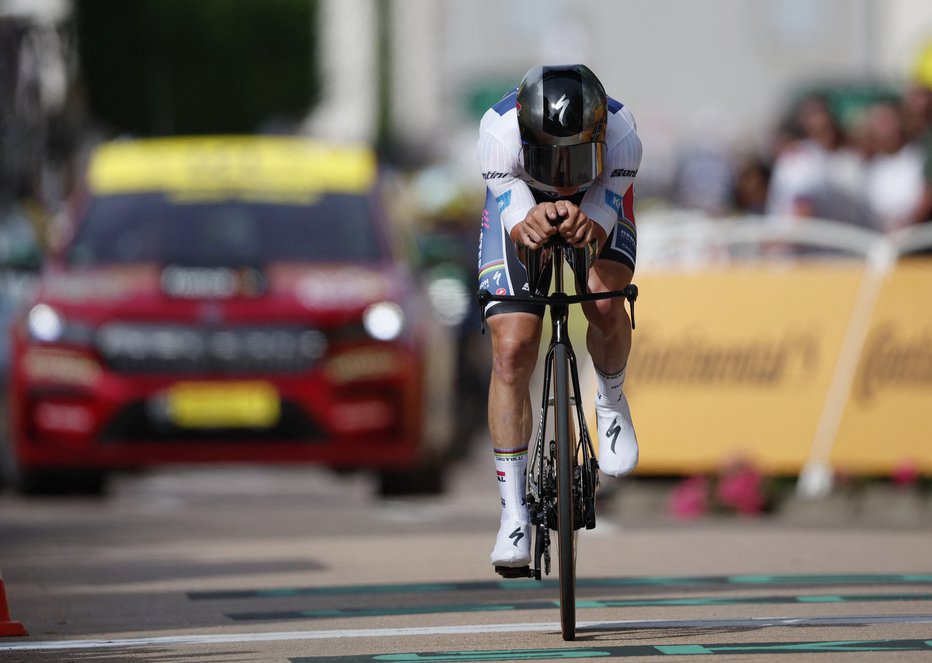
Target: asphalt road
{"type": "Point", "coordinates": [291, 564]}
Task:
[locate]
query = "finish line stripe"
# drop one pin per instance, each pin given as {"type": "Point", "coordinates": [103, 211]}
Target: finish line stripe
{"type": "Point", "coordinates": [478, 629]}
{"type": "Point", "coordinates": [327, 613]}
{"type": "Point", "coordinates": [651, 581]}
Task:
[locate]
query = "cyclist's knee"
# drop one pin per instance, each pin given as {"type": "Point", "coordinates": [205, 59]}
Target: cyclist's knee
{"type": "Point", "coordinates": [515, 344]}
{"type": "Point", "coordinates": [514, 358]}
{"type": "Point", "coordinates": [609, 315]}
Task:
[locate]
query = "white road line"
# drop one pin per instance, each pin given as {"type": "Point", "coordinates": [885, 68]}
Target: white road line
{"type": "Point", "coordinates": [132, 643]}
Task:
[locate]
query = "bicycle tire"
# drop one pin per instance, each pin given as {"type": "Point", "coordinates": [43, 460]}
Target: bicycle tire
{"type": "Point", "coordinates": [566, 462]}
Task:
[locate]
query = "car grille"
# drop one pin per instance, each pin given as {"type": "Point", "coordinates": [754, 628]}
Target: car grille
{"type": "Point", "coordinates": [177, 349]}
{"type": "Point", "coordinates": [135, 423]}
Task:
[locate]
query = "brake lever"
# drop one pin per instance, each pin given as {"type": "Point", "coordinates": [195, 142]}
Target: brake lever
{"type": "Point", "coordinates": [483, 297]}
{"type": "Point", "coordinates": [631, 294]}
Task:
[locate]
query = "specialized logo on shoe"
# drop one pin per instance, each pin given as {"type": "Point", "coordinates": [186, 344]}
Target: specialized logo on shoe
{"type": "Point", "coordinates": [517, 535]}
{"type": "Point", "coordinates": [613, 431]}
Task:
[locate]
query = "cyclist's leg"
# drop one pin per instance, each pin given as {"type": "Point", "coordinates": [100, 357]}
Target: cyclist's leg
{"type": "Point", "coordinates": [515, 331]}
{"type": "Point", "coordinates": [608, 340]}
{"type": "Point", "coordinates": [515, 341]}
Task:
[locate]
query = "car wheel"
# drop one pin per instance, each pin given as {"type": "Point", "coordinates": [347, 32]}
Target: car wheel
{"type": "Point", "coordinates": [424, 480]}
{"type": "Point", "coordinates": [61, 482]}
{"type": "Point", "coordinates": [7, 468]}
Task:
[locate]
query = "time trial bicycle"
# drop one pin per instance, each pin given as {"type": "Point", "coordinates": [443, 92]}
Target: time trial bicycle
{"type": "Point", "coordinates": [562, 475]}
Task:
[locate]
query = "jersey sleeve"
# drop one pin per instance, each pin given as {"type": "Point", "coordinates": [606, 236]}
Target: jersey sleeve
{"type": "Point", "coordinates": [499, 166]}
{"type": "Point", "coordinates": [605, 201]}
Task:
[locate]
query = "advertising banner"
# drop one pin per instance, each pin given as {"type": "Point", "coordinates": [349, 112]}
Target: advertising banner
{"type": "Point", "coordinates": [734, 362]}
{"type": "Point", "coordinates": [887, 421]}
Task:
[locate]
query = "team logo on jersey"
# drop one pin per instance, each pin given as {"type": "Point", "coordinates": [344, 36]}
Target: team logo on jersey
{"type": "Point", "coordinates": [503, 200]}
{"type": "Point", "coordinates": [613, 200]}
{"type": "Point", "coordinates": [624, 172]}
{"type": "Point", "coordinates": [493, 175]}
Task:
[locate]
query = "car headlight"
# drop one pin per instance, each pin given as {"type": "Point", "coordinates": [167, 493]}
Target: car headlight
{"type": "Point", "coordinates": [47, 325]}
{"type": "Point", "coordinates": [383, 321]}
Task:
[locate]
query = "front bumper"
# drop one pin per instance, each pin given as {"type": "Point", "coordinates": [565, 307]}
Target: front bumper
{"type": "Point", "coordinates": [359, 408]}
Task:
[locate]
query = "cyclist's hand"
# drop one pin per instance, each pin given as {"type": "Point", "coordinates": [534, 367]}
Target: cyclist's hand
{"type": "Point", "coordinates": [576, 227]}
{"type": "Point", "coordinates": [537, 227]}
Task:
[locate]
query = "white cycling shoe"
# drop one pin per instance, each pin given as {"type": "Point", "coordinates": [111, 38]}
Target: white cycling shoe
{"type": "Point", "coordinates": [512, 545]}
{"type": "Point", "coordinates": [618, 445]}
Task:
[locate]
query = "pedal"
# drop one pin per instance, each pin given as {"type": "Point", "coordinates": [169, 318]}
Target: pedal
{"type": "Point", "coordinates": [514, 571]}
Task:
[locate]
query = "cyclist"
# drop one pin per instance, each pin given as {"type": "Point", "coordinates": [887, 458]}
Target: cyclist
{"type": "Point", "coordinates": [557, 156]}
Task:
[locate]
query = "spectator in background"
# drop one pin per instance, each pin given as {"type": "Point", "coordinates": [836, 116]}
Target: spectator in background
{"type": "Point", "coordinates": [818, 175]}
{"type": "Point", "coordinates": [917, 111]}
{"type": "Point", "coordinates": [894, 182]}
{"type": "Point", "coordinates": [702, 179]}
{"type": "Point", "coordinates": [917, 118]}
{"type": "Point", "coordinates": [750, 186]}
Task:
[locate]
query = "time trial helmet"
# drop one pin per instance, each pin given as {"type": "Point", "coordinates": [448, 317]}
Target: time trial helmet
{"type": "Point", "coordinates": [562, 113]}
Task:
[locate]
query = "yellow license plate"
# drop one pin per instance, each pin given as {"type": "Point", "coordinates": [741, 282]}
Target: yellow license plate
{"type": "Point", "coordinates": [224, 405]}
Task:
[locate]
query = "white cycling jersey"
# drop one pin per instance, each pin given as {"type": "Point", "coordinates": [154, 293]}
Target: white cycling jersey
{"type": "Point", "coordinates": [607, 200]}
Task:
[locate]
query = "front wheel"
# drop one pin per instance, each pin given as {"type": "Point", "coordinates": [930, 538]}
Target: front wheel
{"type": "Point", "coordinates": [566, 463]}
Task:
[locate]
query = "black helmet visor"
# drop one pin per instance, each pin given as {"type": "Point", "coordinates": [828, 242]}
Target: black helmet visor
{"type": "Point", "coordinates": [564, 166]}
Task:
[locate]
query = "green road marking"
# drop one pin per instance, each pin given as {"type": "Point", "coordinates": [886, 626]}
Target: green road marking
{"type": "Point", "coordinates": [650, 581]}
{"type": "Point", "coordinates": [637, 650]}
{"type": "Point", "coordinates": [683, 650]}
{"type": "Point", "coordinates": [585, 604]}
{"type": "Point", "coordinates": [522, 655]}
{"type": "Point", "coordinates": [832, 579]}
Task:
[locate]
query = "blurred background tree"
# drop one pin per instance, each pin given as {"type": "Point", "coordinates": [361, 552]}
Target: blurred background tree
{"type": "Point", "coordinates": [160, 67]}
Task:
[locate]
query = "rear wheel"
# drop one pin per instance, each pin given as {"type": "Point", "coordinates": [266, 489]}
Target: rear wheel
{"type": "Point", "coordinates": [566, 462]}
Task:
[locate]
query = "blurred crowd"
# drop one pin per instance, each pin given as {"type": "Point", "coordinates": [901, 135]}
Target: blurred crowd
{"type": "Point", "coordinates": [872, 169]}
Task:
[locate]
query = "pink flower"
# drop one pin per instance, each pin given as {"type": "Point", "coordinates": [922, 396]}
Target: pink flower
{"type": "Point", "coordinates": [689, 499]}
{"type": "Point", "coordinates": [741, 488]}
{"type": "Point", "coordinates": [906, 473]}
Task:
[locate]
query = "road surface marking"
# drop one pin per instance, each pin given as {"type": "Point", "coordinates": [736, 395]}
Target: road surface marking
{"type": "Point", "coordinates": [650, 581]}
{"type": "Point", "coordinates": [477, 629]}
{"type": "Point", "coordinates": [382, 611]}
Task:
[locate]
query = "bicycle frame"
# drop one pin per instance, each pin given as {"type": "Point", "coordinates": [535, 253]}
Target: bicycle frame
{"type": "Point", "coordinates": [584, 450]}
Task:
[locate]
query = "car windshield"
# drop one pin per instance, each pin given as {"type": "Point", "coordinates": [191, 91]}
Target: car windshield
{"type": "Point", "coordinates": [150, 227]}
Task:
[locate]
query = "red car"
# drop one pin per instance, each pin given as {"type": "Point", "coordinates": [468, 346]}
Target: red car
{"type": "Point", "coordinates": [229, 299]}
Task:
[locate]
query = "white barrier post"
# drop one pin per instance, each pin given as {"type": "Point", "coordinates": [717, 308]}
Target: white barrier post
{"type": "Point", "coordinates": [816, 477]}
